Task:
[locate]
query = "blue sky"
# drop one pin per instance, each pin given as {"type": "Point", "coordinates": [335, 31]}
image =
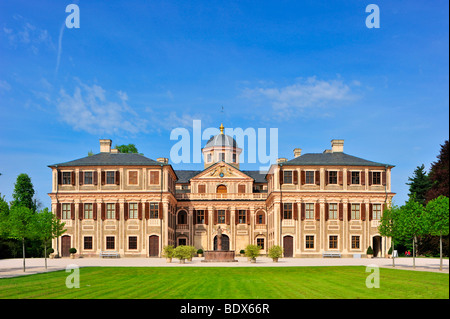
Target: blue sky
{"type": "Point", "coordinates": [135, 70]}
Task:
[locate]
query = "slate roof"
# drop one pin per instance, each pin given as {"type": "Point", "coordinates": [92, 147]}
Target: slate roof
{"type": "Point", "coordinates": [111, 159]}
{"type": "Point", "coordinates": [337, 158]}
{"type": "Point", "coordinates": [221, 140]}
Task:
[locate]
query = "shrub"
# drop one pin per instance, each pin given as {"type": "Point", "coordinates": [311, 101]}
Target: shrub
{"type": "Point", "coordinates": [242, 251]}
{"type": "Point", "coordinates": [168, 251]}
{"type": "Point", "coordinates": [252, 251]}
{"type": "Point", "coordinates": [182, 252]}
{"type": "Point", "coordinates": [200, 251]}
{"type": "Point", "coordinates": [369, 250]}
{"type": "Point", "coordinates": [73, 250]}
{"type": "Point", "coordinates": [275, 251]}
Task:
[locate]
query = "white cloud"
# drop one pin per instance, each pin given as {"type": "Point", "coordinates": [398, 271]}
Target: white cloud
{"type": "Point", "coordinates": [305, 94]}
{"type": "Point", "coordinates": [88, 109]}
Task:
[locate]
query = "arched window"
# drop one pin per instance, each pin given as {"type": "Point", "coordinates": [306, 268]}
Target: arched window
{"type": "Point", "coordinates": [182, 218]}
{"type": "Point", "coordinates": [221, 189]}
{"type": "Point", "coordinates": [260, 218]}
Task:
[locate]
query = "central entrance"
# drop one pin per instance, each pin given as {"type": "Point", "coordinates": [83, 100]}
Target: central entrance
{"type": "Point", "coordinates": [225, 242]}
{"type": "Point", "coordinates": [376, 244]}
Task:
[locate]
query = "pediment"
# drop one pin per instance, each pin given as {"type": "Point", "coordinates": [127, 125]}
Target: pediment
{"type": "Point", "coordinates": [221, 170]}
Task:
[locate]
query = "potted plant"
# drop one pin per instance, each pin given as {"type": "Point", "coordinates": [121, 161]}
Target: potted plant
{"type": "Point", "coordinates": [51, 251]}
{"type": "Point", "coordinates": [369, 252]}
{"type": "Point", "coordinates": [168, 252]}
{"type": "Point", "coordinates": [182, 253]}
{"type": "Point", "coordinates": [72, 252]}
{"type": "Point", "coordinates": [242, 252]}
{"type": "Point", "coordinates": [200, 252]}
{"type": "Point", "coordinates": [191, 251]}
{"type": "Point", "coordinates": [275, 252]}
{"type": "Point", "coordinates": [252, 251]}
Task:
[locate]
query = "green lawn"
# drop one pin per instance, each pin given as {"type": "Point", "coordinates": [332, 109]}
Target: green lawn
{"type": "Point", "coordinates": [228, 283]}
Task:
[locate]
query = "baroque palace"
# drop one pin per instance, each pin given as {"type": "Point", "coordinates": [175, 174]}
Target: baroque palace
{"type": "Point", "coordinates": [133, 206]}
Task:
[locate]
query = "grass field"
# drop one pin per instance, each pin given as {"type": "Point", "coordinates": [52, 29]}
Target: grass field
{"type": "Point", "coordinates": [228, 283]}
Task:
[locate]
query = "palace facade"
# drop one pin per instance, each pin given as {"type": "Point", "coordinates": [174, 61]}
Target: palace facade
{"type": "Point", "coordinates": [134, 206]}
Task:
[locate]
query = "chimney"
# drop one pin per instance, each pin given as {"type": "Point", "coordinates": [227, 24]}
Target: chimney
{"type": "Point", "coordinates": [105, 146]}
{"type": "Point", "coordinates": [281, 160]}
{"type": "Point", "coordinates": [297, 152]}
{"type": "Point", "coordinates": [337, 146]}
{"type": "Point", "coordinates": [163, 160]}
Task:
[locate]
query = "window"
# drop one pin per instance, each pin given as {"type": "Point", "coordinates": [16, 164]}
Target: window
{"type": "Point", "coordinates": [260, 242]}
{"type": "Point", "coordinates": [110, 177]}
{"type": "Point", "coordinates": [355, 211]}
{"type": "Point", "coordinates": [221, 216]}
{"type": "Point", "coordinates": [309, 242]}
{"type": "Point", "coordinates": [376, 178]}
{"type": "Point", "coordinates": [287, 211]}
{"type": "Point", "coordinates": [309, 211]}
{"type": "Point", "coordinates": [88, 177]}
{"type": "Point", "coordinates": [242, 215]}
{"type": "Point", "coordinates": [333, 242]}
{"type": "Point", "coordinates": [241, 189]}
{"type": "Point", "coordinates": [201, 189]}
{"type": "Point", "coordinates": [88, 211]}
{"type": "Point", "coordinates": [87, 242]}
{"type": "Point", "coordinates": [133, 210]}
{"type": "Point", "coordinates": [260, 218]}
{"type": "Point", "coordinates": [200, 216]}
{"type": "Point", "coordinates": [332, 177]}
{"type": "Point", "coordinates": [355, 177]}
{"type": "Point", "coordinates": [66, 211]}
{"type": "Point", "coordinates": [355, 242]}
{"type": "Point", "coordinates": [222, 157]}
{"type": "Point", "coordinates": [234, 158]}
{"type": "Point", "coordinates": [132, 242]}
{"type": "Point", "coordinates": [376, 211]}
{"type": "Point", "coordinates": [332, 211]}
{"type": "Point", "coordinates": [309, 177]}
{"type": "Point", "coordinates": [154, 177]}
{"type": "Point", "coordinates": [154, 210]}
{"type": "Point", "coordinates": [133, 178]}
{"type": "Point", "coordinates": [209, 158]}
{"type": "Point", "coordinates": [110, 242]}
{"type": "Point", "coordinates": [110, 211]}
{"type": "Point", "coordinates": [182, 218]}
{"type": "Point", "coordinates": [287, 177]}
{"type": "Point", "coordinates": [67, 178]}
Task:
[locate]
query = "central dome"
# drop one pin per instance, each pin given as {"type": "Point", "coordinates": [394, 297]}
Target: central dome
{"type": "Point", "coordinates": [221, 140]}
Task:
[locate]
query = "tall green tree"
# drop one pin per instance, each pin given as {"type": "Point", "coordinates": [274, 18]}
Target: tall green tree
{"type": "Point", "coordinates": [24, 192]}
{"type": "Point", "coordinates": [390, 225]}
{"type": "Point", "coordinates": [436, 220]}
{"type": "Point", "coordinates": [439, 173]}
{"type": "Point", "coordinates": [21, 222]}
{"type": "Point", "coordinates": [4, 213]}
{"type": "Point", "coordinates": [419, 184]}
{"type": "Point", "coordinates": [128, 148]}
{"type": "Point", "coordinates": [45, 229]}
{"type": "Point", "coordinates": [410, 223]}
{"type": "Point", "coordinates": [57, 231]}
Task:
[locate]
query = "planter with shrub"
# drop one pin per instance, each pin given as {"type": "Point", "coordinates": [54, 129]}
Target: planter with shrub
{"type": "Point", "coordinates": [72, 252]}
{"type": "Point", "coordinates": [168, 252]}
{"type": "Point", "coordinates": [369, 252]}
{"type": "Point", "coordinates": [275, 252]}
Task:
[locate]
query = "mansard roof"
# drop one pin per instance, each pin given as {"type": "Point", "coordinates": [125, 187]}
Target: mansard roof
{"type": "Point", "coordinates": [332, 158]}
{"type": "Point", "coordinates": [111, 159]}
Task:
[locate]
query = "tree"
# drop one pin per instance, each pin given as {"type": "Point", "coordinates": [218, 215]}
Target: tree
{"type": "Point", "coordinates": [57, 231]}
{"type": "Point", "coordinates": [410, 222]}
{"type": "Point", "coordinates": [24, 192]}
{"type": "Point", "coordinates": [389, 225]}
{"type": "Point", "coordinates": [419, 184]}
{"type": "Point", "coordinates": [4, 213]}
{"type": "Point", "coordinates": [45, 228]}
{"type": "Point", "coordinates": [439, 174]}
{"type": "Point", "coordinates": [128, 149]}
{"type": "Point", "coordinates": [20, 222]}
{"type": "Point", "coordinates": [436, 219]}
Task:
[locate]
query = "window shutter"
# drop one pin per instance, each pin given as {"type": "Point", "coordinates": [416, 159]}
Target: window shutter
{"type": "Point", "coordinates": [370, 178]}
{"type": "Point", "coordinates": [227, 217]}
{"type": "Point", "coordinates": [248, 217]}
{"type": "Point", "coordinates": [147, 210]}
{"type": "Point", "coordinates": [363, 177]}
{"type": "Point", "coordinates": [73, 178]}
{"type": "Point", "coordinates": [317, 176]}
{"type": "Point", "coordinates": [95, 178]}
{"type": "Point", "coordinates": [363, 211]}
{"type": "Point", "coordinates": [206, 216]}
{"type": "Point", "coordinates": [117, 211]}
{"type": "Point", "coordinates": [295, 177]}
{"type": "Point", "coordinates": [94, 211]}
{"type": "Point", "coordinates": [327, 211]}
{"type": "Point", "coordinates": [215, 217]}
{"type": "Point", "coordinates": [295, 211]}
{"type": "Point", "coordinates": [80, 177]}
{"type": "Point", "coordinates": [72, 209]}
{"type": "Point", "coordinates": [370, 211]}
{"type": "Point", "coordinates": [59, 178]}
{"type": "Point", "coordinates": [326, 178]}
{"type": "Point", "coordinates": [103, 213]}
{"type": "Point", "coordinates": [303, 177]}
{"type": "Point", "coordinates": [303, 211]}
{"type": "Point", "coordinates": [317, 211]}
{"type": "Point", "coordinates": [58, 210]}
{"type": "Point", "coordinates": [341, 178]}
{"type": "Point", "coordinates": [236, 217]}
{"type": "Point", "coordinates": [349, 211]}
{"type": "Point", "coordinates": [383, 177]}
{"type": "Point", "coordinates": [349, 177]}
{"type": "Point", "coordinates": [280, 172]}
{"type": "Point", "coordinates": [125, 211]}
{"type": "Point", "coordinates": [281, 211]}
{"type": "Point", "coordinates": [341, 211]}
{"type": "Point", "coordinates": [160, 210]}
{"type": "Point", "coordinates": [103, 178]}
{"type": "Point", "coordinates": [80, 211]}
{"type": "Point", "coordinates": [117, 178]}
{"type": "Point", "coordinates": [140, 211]}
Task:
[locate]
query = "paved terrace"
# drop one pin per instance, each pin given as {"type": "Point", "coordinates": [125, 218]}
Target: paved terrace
{"type": "Point", "coordinates": [13, 267]}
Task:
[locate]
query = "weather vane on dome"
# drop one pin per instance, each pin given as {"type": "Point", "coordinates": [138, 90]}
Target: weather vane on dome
{"type": "Point", "coordinates": [221, 125]}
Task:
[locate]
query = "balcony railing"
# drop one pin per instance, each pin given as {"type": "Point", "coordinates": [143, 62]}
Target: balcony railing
{"type": "Point", "coordinates": [225, 196]}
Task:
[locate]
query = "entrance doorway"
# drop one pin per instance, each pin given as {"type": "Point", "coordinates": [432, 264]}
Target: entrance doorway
{"type": "Point", "coordinates": [288, 246]}
{"type": "Point", "coordinates": [225, 242]}
{"type": "Point", "coordinates": [65, 246]}
{"type": "Point", "coordinates": [153, 246]}
{"type": "Point", "coordinates": [376, 246]}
